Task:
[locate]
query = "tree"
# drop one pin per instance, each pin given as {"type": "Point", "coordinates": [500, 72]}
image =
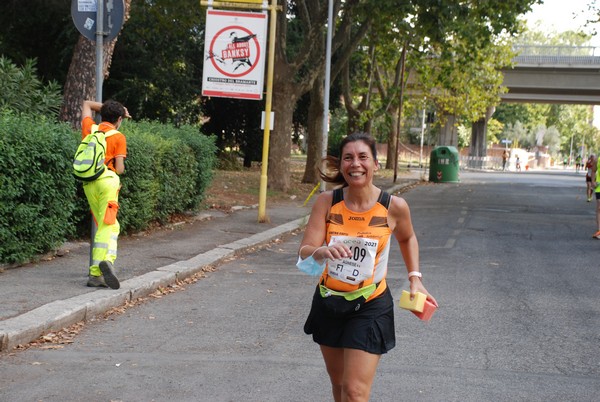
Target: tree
{"type": "Point", "coordinates": [81, 79]}
{"type": "Point", "coordinates": [157, 66]}
{"type": "Point", "coordinates": [297, 68]}
{"type": "Point", "coordinates": [457, 48]}
{"type": "Point", "coordinates": [40, 30]}
{"type": "Point", "coordinates": [461, 73]}
{"type": "Point", "coordinates": [236, 125]}
{"type": "Point", "coordinates": [21, 90]}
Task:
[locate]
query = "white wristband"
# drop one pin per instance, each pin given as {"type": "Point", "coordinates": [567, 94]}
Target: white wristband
{"type": "Point", "coordinates": [415, 273]}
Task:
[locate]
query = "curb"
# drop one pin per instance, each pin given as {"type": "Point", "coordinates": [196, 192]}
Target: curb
{"type": "Point", "coordinates": [59, 314]}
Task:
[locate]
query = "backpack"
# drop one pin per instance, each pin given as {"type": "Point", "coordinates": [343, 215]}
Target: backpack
{"type": "Point", "coordinates": [88, 163]}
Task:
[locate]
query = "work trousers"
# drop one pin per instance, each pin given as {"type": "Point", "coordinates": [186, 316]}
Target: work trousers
{"type": "Point", "coordinates": [103, 197]}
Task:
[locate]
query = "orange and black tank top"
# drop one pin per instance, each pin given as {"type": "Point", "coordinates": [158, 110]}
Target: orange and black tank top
{"type": "Point", "coordinates": [372, 224]}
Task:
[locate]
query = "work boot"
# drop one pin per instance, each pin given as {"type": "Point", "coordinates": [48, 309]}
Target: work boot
{"type": "Point", "coordinates": [109, 274]}
{"type": "Point", "coordinates": [96, 282]}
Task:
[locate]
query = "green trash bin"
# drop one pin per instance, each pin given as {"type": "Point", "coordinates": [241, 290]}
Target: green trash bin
{"type": "Point", "coordinates": [444, 165]}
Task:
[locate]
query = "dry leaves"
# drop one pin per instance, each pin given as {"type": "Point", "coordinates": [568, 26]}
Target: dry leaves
{"type": "Point", "coordinates": [57, 339]}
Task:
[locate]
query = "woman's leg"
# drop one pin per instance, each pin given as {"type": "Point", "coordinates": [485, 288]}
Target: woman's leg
{"type": "Point", "coordinates": [334, 362]}
{"type": "Point", "coordinates": [351, 372]}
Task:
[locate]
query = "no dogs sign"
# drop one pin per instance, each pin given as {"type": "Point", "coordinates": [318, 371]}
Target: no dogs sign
{"type": "Point", "coordinates": [234, 54]}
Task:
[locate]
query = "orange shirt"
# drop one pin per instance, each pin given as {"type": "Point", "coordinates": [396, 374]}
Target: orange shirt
{"type": "Point", "coordinates": [116, 144]}
{"type": "Point", "coordinates": [371, 224]}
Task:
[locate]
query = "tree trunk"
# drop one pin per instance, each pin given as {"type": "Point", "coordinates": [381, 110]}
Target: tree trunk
{"type": "Point", "coordinates": [314, 150]}
{"type": "Point", "coordinates": [448, 133]}
{"type": "Point", "coordinates": [280, 144]}
{"type": "Point", "coordinates": [391, 142]}
{"type": "Point", "coordinates": [81, 79]}
{"type": "Point", "coordinates": [352, 113]}
{"type": "Point", "coordinates": [294, 78]}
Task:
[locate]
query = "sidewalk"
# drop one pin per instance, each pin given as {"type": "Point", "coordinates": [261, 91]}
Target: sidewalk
{"type": "Point", "coordinates": [50, 295]}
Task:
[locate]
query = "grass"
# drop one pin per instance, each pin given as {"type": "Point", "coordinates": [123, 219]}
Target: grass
{"type": "Point", "coordinates": [241, 187]}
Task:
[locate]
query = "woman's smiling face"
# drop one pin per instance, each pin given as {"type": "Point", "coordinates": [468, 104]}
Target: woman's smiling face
{"type": "Point", "coordinates": [357, 163]}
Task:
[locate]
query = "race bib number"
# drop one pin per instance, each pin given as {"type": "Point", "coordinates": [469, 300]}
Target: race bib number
{"type": "Point", "coordinates": [360, 265]}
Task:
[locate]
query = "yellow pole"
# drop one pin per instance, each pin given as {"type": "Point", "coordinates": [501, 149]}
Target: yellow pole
{"type": "Point", "coordinates": [262, 195]}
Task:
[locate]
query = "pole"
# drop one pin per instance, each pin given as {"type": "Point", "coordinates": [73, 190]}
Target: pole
{"type": "Point", "coordinates": [99, 81]}
{"type": "Point", "coordinates": [327, 85]}
{"type": "Point", "coordinates": [571, 150]}
{"type": "Point", "coordinates": [422, 135]}
{"type": "Point", "coordinates": [99, 49]}
{"type": "Point", "coordinates": [262, 196]}
{"type": "Point", "coordinates": [403, 57]}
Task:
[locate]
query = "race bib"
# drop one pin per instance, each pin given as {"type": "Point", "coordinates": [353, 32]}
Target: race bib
{"type": "Point", "coordinates": [360, 265]}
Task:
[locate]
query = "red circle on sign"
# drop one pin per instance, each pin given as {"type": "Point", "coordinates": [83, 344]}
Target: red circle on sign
{"type": "Point", "coordinates": [212, 44]}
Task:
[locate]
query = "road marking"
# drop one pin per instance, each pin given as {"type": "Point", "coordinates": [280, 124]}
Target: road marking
{"type": "Point", "coordinates": [450, 243]}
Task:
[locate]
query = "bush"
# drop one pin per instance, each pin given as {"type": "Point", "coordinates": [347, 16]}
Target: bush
{"type": "Point", "coordinates": [139, 192]}
{"type": "Point", "coordinates": [167, 171]}
{"type": "Point", "coordinates": [37, 194]}
{"type": "Point", "coordinates": [204, 150]}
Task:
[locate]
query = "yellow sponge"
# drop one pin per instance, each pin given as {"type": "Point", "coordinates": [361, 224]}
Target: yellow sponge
{"type": "Point", "coordinates": [417, 304]}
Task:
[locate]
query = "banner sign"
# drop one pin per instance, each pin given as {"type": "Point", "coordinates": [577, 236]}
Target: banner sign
{"type": "Point", "coordinates": [235, 52]}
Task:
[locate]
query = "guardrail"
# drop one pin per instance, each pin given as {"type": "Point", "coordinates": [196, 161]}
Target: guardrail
{"type": "Point", "coordinates": [540, 55]}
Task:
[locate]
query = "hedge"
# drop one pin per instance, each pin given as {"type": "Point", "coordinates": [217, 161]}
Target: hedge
{"type": "Point", "coordinates": [167, 171]}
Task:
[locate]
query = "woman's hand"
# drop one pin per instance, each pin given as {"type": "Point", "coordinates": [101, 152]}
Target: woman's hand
{"type": "Point", "coordinates": [334, 251]}
{"type": "Point", "coordinates": [417, 286]}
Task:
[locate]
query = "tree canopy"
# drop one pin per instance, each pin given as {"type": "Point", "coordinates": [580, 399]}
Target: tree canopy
{"type": "Point", "coordinates": [156, 67]}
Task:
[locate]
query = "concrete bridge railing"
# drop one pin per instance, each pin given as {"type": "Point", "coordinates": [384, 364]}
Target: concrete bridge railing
{"type": "Point", "coordinates": [567, 56]}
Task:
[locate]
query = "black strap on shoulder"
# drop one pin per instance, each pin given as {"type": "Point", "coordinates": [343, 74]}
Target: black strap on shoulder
{"type": "Point", "coordinates": [338, 196]}
{"type": "Point", "coordinates": [384, 199]}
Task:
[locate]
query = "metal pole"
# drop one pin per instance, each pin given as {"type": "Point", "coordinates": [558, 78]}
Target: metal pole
{"type": "Point", "coordinates": [422, 135]}
{"type": "Point", "coordinates": [571, 150]}
{"type": "Point", "coordinates": [403, 57]}
{"type": "Point", "coordinates": [327, 85]}
{"type": "Point", "coordinates": [99, 79]}
{"type": "Point", "coordinates": [262, 196]}
{"type": "Point", "coordinates": [99, 49]}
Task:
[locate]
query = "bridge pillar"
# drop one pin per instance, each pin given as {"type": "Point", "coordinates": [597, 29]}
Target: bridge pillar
{"type": "Point", "coordinates": [478, 148]}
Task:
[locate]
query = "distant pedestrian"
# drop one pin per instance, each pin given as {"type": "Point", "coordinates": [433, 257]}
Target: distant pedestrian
{"type": "Point", "coordinates": [505, 156]}
{"type": "Point", "coordinates": [589, 171]}
{"type": "Point", "coordinates": [578, 164]}
{"type": "Point", "coordinates": [347, 240]}
{"type": "Point", "coordinates": [518, 164]}
{"type": "Point", "coordinates": [103, 193]}
{"type": "Point", "coordinates": [596, 187]}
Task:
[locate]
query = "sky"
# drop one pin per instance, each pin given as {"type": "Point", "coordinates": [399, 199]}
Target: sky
{"type": "Point", "coordinates": [556, 16]}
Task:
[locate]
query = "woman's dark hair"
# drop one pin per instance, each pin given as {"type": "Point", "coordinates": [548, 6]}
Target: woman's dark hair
{"type": "Point", "coordinates": [111, 111]}
{"type": "Point", "coordinates": [332, 173]}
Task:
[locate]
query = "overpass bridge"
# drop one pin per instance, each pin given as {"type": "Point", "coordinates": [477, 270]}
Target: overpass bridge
{"type": "Point", "coordinates": [540, 74]}
{"type": "Point", "coordinates": [554, 74]}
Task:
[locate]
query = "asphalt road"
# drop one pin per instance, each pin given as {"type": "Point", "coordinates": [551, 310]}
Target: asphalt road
{"type": "Point", "coordinates": [508, 256]}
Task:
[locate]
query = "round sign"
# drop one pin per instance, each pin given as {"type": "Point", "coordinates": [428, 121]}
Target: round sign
{"type": "Point", "coordinates": [84, 14]}
{"type": "Point", "coordinates": [234, 51]}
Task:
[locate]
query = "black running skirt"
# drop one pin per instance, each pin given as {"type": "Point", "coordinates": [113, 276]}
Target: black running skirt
{"type": "Point", "coordinates": [370, 329]}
